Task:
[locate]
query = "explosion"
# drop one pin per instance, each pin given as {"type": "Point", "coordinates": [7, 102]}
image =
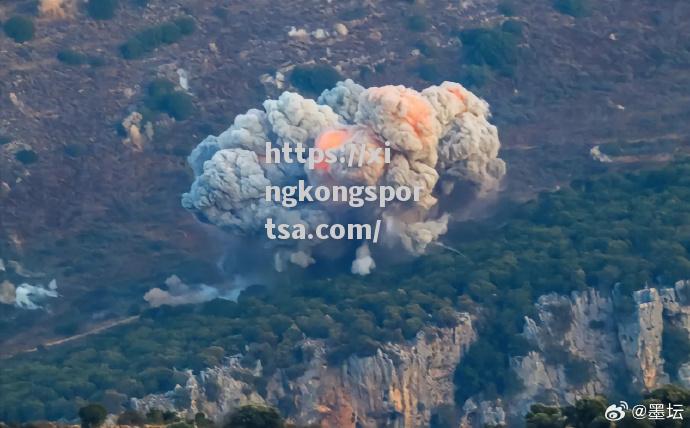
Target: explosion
{"type": "Point", "coordinates": [436, 141]}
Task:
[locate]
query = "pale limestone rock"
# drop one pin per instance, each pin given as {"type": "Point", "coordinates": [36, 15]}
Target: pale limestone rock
{"type": "Point", "coordinates": [398, 387]}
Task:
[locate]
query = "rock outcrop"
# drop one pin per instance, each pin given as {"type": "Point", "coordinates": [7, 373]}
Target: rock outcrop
{"type": "Point", "coordinates": [584, 344]}
{"type": "Point", "coordinates": [588, 343]}
{"type": "Point", "coordinates": [399, 386]}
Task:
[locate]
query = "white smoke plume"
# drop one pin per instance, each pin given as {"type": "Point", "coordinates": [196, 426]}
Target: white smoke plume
{"type": "Point", "coordinates": [27, 296]}
{"type": "Point", "coordinates": [363, 263]}
{"type": "Point", "coordinates": [440, 139]}
{"type": "Point", "coordinates": [179, 293]}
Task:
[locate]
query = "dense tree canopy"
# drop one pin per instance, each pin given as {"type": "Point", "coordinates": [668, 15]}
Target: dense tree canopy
{"type": "Point", "coordinates": [626, 229]}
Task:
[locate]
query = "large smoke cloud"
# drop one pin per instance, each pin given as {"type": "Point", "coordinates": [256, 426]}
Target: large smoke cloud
{"type": "Point", "coordinates": [439, 139]}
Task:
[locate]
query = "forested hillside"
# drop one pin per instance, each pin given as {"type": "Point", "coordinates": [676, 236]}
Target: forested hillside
{"type": "Point", "coordinates": [628, 229]}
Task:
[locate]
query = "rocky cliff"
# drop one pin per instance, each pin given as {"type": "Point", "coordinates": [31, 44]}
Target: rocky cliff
{"type": "Point", "coordinates": [583, 344]}
{"type": "Point", "coordinates": [588, 343]}
{"type": "Point", "coordinates": [400, 386]}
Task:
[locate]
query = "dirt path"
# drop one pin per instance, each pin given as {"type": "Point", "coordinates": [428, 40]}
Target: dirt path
{"type": "Point", "coordinates": [96, 330]}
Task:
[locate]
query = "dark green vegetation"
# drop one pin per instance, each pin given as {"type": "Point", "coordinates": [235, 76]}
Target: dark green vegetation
{"type": "Point", "coordinates": [249, 416]}
{"type": "Point", "coordinates": [630, 229]}
{"type": "Point", "coordinates": [71, 57]}
{"type": "Point", "coordinates": [627, 229]}
{"type": "Point", "coordinates": [418, 23]}
{"type": "Point", "coordinates": [163, 97]}
{"type": "Point", "coordinates": [576, 8]}
{"type": "Point", "coordinates": [495, 47]}
{"type": "Point", "coordinates": [589, 412]}
{"type": "Point", "coordinates": [255, 417]}
{"type": "Point", "coordinates": [92, 415]}
{"type": "Point", "coordinates": [26, 156]}
{"type": "Point", "coordinates": [314, 79]}
{"type": "Point", "coordinates": [102, 9]}
{"type": "Point", "coordinates": [675, 349]}
{"type": "Point", "coordinates": [507, 8]}
{"type": "Point", "coordinates": [19, 28]}
{"type": "Point", "coordinates": [146, 41]}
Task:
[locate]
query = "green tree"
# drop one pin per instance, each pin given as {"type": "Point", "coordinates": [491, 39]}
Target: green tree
{"type": "Point", "coordinates": [255, 416]}
{"type": "Point", "coordinates": [92, 415]}
{"type": "Point", "coordinates": [102, 9]}
{"type": "Point", "coordinates": [20, 29]}
{"type": "Point", "coordinates": [541, 416]}
{"type": "Point", "coordinates": [576, 8]}
{"type": "Point", "coordinates": [314, 79]}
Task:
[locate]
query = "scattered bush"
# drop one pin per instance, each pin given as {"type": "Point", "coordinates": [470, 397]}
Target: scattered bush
{"type": "Point", "coordinates": [492, 47]}
{"type": "Point", "coordinates": [5, 139]}
{"type": "Point", "coordinates": [186, 25]}
{"type": "Point", "coordinates": [575, 8]}
{"type": "Point", "coordinates": [26, 156]}
{"type": "Point", "coordinates": [102, 9]}
{"type": "Point", "coordinates": [314, 79]}
{"type": "Point", "coordinates": [507, 8]}
{"type": "Point", "coordinates": [71, 57]}
{"type": "Point", "coordinates": [20, 29]}
{"type": "Point", "coordinates": [429, 72]}
{"type": "Point", "coordinates": [675, 349]}
{"type": "Point", "coordinates": [513, 27]}
{"type": "Point", "coordinates": [163, 97]}
{"type": "Point", "coordinates": [578, 371]}
{"type": "Point", "coordinates": [253, 416]}
{"type": "Point", "coordinates": [148, 40]}
{"type": "Point", "coordinates": [475, 76]}
{"type": "Point", "coordinates": [428, 49]}
{"type": "Point", "coordinates": [417, 23]}
{"type": "Point", "coordinates": [74, 58]}
{"type": "Point", "coordinates": [92, 416]}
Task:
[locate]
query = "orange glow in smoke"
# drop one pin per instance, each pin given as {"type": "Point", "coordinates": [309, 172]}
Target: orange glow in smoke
{"type": "Point", "coordinates": [330, 140]}
{"type": "Point", "coordinates": [457, 92]}
{"type": "Point", "coordinates": [416, 111]}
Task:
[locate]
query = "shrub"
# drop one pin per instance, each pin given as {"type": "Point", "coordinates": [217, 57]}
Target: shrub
{"type": "Point", "coordinates": [507, 8]}
{"type": "Point", "coordinates": [20, 29]}
{"type": "Point", "coordinates": [186, 25]}
{"type": "Point", "coordinates": [429, 72]}
{"type": "Point", "coordinates": [163, 97]}
{"type": "Point", "coordinates": [92, 415]}
{"type": "Point", "coordinates": [417, 23]}
{"type": "Point", "coordinates": [495, 48]}
{"type": "Point", "coordinates": [675, 349]}
{"type": "Point", "coordinates": [151, 38]}
{"type": "Point", "coordinates": [578, 371]}
{"type": "Point", "coordinates": [314, 79]}
{"type": "Point", "coordinates": [26, 156]}
{"type": "Point", "coordinates": [102, 9]}
{"type": "Point", "coordinates": [253, 416]}
{"type": "Point", "coordinates": [475, 75]}
{"type": "Point", "coordinates": [576, 8]}
{"type": "Point", "coordinates": [513, 27]}
{"type": "Point", "coordinates": [71, 57]}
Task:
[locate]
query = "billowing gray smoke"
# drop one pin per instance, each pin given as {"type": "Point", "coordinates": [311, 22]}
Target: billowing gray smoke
{"type": "Point", "coordinates": [439, 139]}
